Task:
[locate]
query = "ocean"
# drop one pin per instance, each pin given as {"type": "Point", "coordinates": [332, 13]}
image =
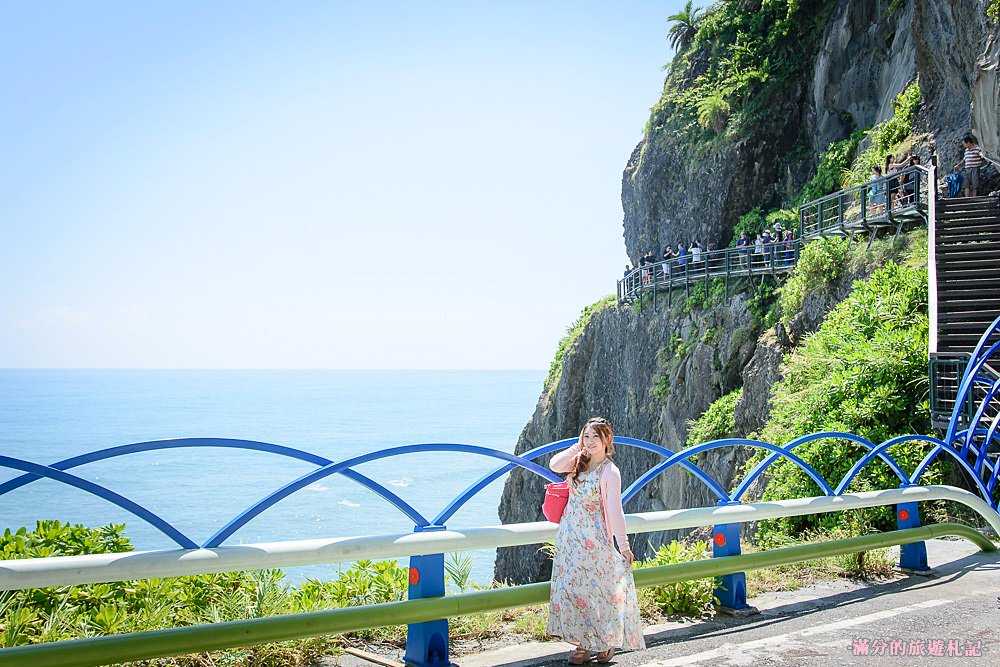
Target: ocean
{"type": "Point", "coordinates": [48, 415]}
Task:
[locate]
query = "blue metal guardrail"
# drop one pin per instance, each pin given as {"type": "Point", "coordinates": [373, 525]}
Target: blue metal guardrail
{"type": "Point", "coordinates": [969, 448]}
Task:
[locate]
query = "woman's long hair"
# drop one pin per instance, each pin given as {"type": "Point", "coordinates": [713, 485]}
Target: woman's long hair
{"type": "Point", "coordinates": [603, 428]}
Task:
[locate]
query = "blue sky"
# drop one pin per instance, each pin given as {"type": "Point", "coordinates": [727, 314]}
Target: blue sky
{"type": "Point", "coordinates": [314, 185]}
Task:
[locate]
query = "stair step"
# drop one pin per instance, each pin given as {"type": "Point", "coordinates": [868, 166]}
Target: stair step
{"type": "Point", "coordinates": [967, 237]}
{"type": "Point", "coordinates": [965, 278]}
{"type": "Point", "coordinates": [964, 301]}
{"type": "Point", "coordinates": [968, 316]}
{"type": "Point", "coordinates": [968, 261]}
{"type": "Point", "coordinates": [949, 202]}
{"type": "Point", "coordinates": [946, 226]}
{"type": "Point", "coordinates": [971, 328]}
{"type": "Point", "coordinates": [987, 225]}
{"type": "Point", "coordinates": [947, 250]}
{"type": "Point", "coordinates": [953, 299]}
{"type": "Point", "coordinates": [960, 336]}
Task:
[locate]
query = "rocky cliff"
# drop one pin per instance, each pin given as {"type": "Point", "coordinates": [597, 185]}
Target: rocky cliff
{"type": "Point", "coordinates": [651, 373]}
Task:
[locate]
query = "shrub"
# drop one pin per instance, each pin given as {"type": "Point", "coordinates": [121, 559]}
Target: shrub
{"type": "Point", "coordinates": [863, 372]}
{"type": "Point", "coordinates": [717, 421]}
{"type": "Point", "coordinates": [698, 299]}
{"type": "Point", "coordinates": [834, 165]}
{"type": "Point", "coordinates": [686, 598]}
{"type": "Point", "coordinates": [821, 265]}
{"type": "Point", "coordinates": [713, 112]}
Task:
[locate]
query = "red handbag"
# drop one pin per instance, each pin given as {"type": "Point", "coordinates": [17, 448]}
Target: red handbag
{"type": "Point", "coordinates": [556, 497]}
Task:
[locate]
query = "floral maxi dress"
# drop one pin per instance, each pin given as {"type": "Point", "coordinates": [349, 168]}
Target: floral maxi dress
{"type": "Point", "coordinates": [593, 603]}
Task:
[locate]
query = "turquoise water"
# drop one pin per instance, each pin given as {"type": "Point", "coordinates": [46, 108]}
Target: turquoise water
{"type": "Point", "coordinates": [48, 415]}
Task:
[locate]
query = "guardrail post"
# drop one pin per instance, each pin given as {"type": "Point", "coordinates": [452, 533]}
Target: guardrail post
{"type": "Point", "coordinates": [912, 557]}
{"type": "Point", "coordinates": [427, 643]}
{"type": "Point", "coordinates": [732, 589]}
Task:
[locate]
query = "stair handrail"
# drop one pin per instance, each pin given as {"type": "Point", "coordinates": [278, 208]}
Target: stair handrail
{"type": "Point", "coordinates": [986, 156]}
{"type": "Point", "coordinates": [932, 296]}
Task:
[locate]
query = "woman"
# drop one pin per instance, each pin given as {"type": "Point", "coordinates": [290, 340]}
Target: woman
{"type": "Point", "coordinates": [876, 191]}
{"type": "Point", "coordinates": [593, 602]}
{"type": "Point", "coordinates": [789, 247]}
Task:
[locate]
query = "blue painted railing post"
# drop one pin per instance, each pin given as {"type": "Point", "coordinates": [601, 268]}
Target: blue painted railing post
{"type": "Point", "coordinates": [427, 643]}
{"type": "Point", "coordinates": [732, 591]}
{"type": "Point", "coordinates": [912, 557]}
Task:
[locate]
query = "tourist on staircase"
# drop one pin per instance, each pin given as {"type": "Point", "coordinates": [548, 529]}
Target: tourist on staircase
{"type": "Point", "coordinates": [973, 160]}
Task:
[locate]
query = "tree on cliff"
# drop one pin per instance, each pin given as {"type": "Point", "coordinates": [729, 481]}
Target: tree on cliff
{"type": "Point", "coordinates": [685, 26]}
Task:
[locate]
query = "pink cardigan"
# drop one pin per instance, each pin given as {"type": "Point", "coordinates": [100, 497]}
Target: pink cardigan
{"type": "Point", "coordinates": [611, 493]}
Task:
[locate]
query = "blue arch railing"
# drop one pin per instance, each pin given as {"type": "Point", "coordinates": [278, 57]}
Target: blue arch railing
{"type": "Point", "coordinates": [985, 484]}
{"type": "Point", "coordinates": [982, 432]}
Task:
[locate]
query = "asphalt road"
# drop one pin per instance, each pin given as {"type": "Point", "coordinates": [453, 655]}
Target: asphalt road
{"type": "Point", "coordinates": [950, 618]}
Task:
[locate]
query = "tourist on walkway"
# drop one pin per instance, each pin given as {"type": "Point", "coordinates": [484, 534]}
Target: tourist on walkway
{"type": "Point", "coordinates": [593, 604]}
{"type": "Point", "coordinates": [758, 249]}
{"type": "Point", "coordinates": [681, 254]}
{"type": "Point", "coordinates": [744, 246]}
{"type": "Point", "coordinates": [876, 191]}
{"type": "Point", "coordinates": [909, 182]}
{"type": "Point", "coordinates": [646, 262]}
{"type": "Point", "coordinates": [768, 244]}
{"type": "Point", "coordinates": [973, 160]}
{"type": "Point", "coordinates": [668, 254]}
{"type": "Point", "coordinates": [896, 185]}
{"type": "Point", "coordinates": [695, 252]}
{"type": "Point", "coordinates": [789, 247]}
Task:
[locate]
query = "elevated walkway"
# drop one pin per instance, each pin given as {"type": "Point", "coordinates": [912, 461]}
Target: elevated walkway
{"type": "Point", "coordinates": [854, 212]}
{"type": "Point", "coordinates": [889, 203]}
{"type": "Point", "coordinates": [733, 265]}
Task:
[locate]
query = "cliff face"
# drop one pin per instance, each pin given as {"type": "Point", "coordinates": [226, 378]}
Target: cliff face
{"type": "Point", "coordinates": [672, 192]}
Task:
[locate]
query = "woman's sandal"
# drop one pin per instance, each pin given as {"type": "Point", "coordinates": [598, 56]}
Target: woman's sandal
{"type": "Point", "coordinates": [605, 656]}
{"type": "Point", "coordinates": [579, 657]}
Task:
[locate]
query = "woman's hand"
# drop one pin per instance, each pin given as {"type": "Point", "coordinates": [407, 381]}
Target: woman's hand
{"type": "Point", "coordinates": [628, 555]}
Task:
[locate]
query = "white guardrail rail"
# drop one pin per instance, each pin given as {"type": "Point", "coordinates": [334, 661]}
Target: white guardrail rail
{"type": "Point", "coordinates": [70, 570]}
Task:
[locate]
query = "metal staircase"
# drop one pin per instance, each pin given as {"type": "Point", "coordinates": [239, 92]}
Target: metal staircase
{"type": "Point", "coordinates": [965, 296]}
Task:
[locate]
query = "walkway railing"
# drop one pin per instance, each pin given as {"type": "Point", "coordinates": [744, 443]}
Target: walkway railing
{"type": "Point", "coordinates": [731, 264]}
{"type": "Point", "coordinates": [885, 203]}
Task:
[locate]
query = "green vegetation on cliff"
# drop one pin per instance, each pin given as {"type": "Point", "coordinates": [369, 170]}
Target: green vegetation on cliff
{"type": "Point", "coordinates": [740, 58]}
{"type": "Point", "coordinates": [717, 421]}
{"type": "Point", "coordinates": [572, 336]}
{"type": "Point", "coordinates": [863, 372]}
{"type": "Point", "coordinates": [821, 265]}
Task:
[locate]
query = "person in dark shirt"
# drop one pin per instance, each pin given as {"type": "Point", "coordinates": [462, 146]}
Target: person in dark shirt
{"type": "Point", "coordinates": [909, 182]}
{"type": "Point", "coordinates": [744, 246]}
{"type": "Point", "coordinates": [645, 262]}
{"type": "Point", "coordinates": [668, 254]}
